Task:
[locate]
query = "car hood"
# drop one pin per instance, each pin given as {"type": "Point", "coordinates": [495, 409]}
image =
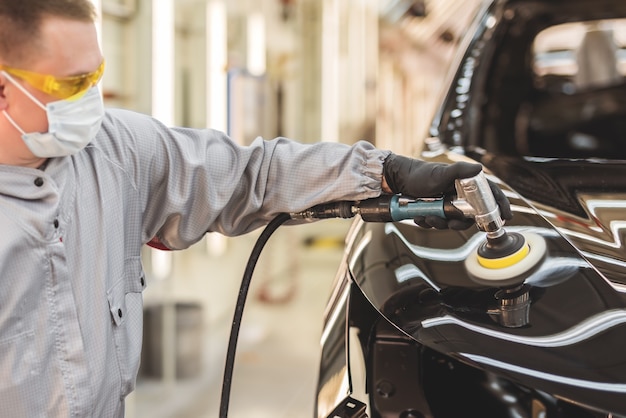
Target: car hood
{"type": "Point", "coordinates": [585, 200]}
{"type": "Point", "coordinates": [571, 341]}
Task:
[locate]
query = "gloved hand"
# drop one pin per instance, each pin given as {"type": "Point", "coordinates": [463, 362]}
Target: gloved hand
{"type": "Point", "coordinates": [417, 178]}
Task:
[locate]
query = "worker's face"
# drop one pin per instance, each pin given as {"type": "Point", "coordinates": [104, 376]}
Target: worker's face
{"type": "Point", "coordinates": [67, 48]}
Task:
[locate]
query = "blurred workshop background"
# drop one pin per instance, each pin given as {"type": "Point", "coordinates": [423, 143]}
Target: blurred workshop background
{"type": "Point", "coordinates": [310, 70]}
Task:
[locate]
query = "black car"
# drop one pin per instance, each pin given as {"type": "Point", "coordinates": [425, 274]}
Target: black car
{"type": "Point", "coordinates": [538, 97]}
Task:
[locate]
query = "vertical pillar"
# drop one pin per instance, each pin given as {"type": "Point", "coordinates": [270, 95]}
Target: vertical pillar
{"type": "Point", "coordinates": [163, 61]}
{"type": "Point", "coordinates": [359, 61]}
{"type": "Point", "coordinates": [256, 44]}
{"type": "Point", "coordinates": [330, 71]}
{"type": "Point", "coordinates": [310, 68]}
{"type": "Point", "coordinates": [217, 61]}
{"type": "Point", "coordinates": [371, 36]}
{"type": "Point", "coordinates": [162, 92]}
{"type": "Point", "coordinates": [163, 109]}
{"type": "Point", "coordinates": [353, 65]}
{"type": "Point", "coordinates": [217, 88]}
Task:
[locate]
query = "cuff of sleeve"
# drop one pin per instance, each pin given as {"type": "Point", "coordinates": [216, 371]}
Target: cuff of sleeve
{"type": "Point", "coordinates": [372, 171]}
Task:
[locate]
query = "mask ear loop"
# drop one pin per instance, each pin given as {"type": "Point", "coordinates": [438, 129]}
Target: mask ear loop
{"type": "Point", "coordinates": [28, 94]}
{"type": "Point", "coordinates": [23, 90]}
{"type": "Point", "coordinates": [12, 122]}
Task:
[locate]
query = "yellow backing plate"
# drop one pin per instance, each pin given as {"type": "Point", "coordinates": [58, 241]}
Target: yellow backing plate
{"type": "Point", "coordinates": [509, 260]}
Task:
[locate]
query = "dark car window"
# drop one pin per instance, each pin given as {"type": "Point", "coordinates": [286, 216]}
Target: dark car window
{"type": "Point", "coordinates": [540, 79]}
{"type": "Point", "coordinates": [581, 55]}
{"type": "Point", "coordinates": [579, 107]}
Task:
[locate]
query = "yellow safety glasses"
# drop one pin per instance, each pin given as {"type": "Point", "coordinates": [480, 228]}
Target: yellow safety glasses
{"type": "Point", "coordinates": [60, 87]}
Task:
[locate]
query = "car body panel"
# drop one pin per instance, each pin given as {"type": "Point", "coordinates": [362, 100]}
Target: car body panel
{"type": "Point", "coordinates": [573, 344]}
{"type": "Point", "coordinates": [431, 339]}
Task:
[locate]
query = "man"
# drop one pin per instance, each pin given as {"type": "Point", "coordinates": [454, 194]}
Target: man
{"type": "Point", "coordinates": [82, 190]}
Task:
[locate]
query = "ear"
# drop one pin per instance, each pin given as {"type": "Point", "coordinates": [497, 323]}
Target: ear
{"type": "Point", "coordinates": [3, 99]}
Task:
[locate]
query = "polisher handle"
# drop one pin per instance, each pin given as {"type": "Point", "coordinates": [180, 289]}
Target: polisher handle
{"type": "Point", "coordinates": [393, 208]}
{"type": "Point", "coordinates": [475, 199]}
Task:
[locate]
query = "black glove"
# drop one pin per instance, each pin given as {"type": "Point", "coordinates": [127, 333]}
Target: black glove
{"type": "Point", "coordinates": [417, 178]}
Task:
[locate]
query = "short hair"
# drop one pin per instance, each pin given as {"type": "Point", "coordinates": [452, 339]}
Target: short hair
{"type": "Point", "coordinates": [20, 23]}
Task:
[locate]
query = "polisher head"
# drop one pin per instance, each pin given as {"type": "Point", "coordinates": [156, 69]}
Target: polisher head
{"type": "Point", "coordinates": [506, 261]}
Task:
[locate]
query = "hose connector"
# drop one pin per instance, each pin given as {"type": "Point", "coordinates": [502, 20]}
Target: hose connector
{"type": "Point", "coordinates": [343, 209]}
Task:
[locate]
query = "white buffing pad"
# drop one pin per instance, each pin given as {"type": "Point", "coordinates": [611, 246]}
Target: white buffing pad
{"type": "Point", "coordinates": [511, 274]}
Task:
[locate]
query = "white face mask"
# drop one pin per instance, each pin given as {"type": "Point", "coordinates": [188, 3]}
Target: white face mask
{"type": "Point", "coordinates": [72, 124]}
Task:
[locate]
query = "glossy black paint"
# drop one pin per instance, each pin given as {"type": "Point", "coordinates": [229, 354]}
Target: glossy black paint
{"type": "Point", "coordinates": [415, 336]}
{"type": "Point", "coordinates": [439, 305]}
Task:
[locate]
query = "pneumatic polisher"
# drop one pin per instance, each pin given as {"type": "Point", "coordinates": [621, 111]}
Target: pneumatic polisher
{"type": "Point", "coordinates": [504, 259]}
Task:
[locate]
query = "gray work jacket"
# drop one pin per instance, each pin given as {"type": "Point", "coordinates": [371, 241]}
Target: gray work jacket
{"type": "Point", "coordinates": [72, 280]}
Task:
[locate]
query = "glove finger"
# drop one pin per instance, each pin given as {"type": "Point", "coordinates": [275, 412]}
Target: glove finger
{"type": "Point", "coordinates": [501, 200]}
{"type": "Point", "coordinates": [419, 178]}
{"type": "Point", "coordinates": [430, 222]}
{"type": "Point", "coordinates": [420, 221]}
{"type": "Point", "coordinates": [462, 170]}
{"type": "Point", "coordinates": [460, 225]}
{"type": "Point", "coordinates": [442, 176]}
{"type": "Point", "coordinates": [436, 222]}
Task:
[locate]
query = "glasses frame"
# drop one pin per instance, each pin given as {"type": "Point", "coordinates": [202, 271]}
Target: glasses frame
{"type": "Point", "coordinates": [59, 87]}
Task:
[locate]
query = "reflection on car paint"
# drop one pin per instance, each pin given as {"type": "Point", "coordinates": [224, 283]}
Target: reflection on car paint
{"type": "Point", "coordinates": [587, 329]}
{"type": "Point", "coordinates": [512, 368]}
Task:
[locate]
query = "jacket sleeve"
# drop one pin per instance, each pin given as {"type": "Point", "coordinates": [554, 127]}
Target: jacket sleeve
{"type": "Point", "coordinates": [194, 181]}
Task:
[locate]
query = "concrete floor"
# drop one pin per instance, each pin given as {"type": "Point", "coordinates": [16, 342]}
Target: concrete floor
{"type": "Point", "coordinates": [277, 359]}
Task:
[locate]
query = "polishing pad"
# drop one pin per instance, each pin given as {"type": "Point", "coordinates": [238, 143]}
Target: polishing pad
{"type": "Point", "coordinates": [511, 269]}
